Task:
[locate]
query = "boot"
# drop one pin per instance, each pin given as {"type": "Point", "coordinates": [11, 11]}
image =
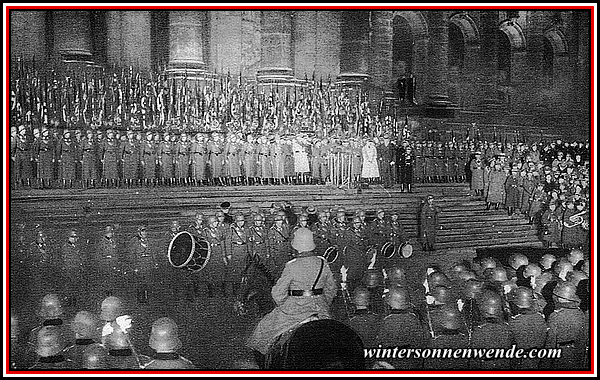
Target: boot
{"type": "Point", "coordinates": [409, 187]}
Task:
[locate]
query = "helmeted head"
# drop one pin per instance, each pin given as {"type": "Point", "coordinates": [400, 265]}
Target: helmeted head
{"type": "Point", "coordinates": [258, 219]}
{"type": "Point", "coordinates": [95, 356]}
{"type": "Point", "coordinates": [117, 339]}
{"type": "Point", "coordinates": [575, 256]}
{"type": "Point", "coordinates": [517, 260]}
{"type": "Point", "coordinates": [562, 268]}
{"type": "Point", "coordinates": [487, 263]}
{"type": "Point", "coordinates": [240, 220]}
{"type": "Point", "coordinates": [441, 295]}
{"type": "Point", "coordinates": [499, 274]}
{"type": "Point", "coordinates": [522, 297]}
{"type": "Point", "coordinates": [532, 270]}
{"type": "Point", "coordinates": [438, 278]}
{"type": "Point", "coordinates": [490, 304]}
{"type": "Point", "coordinates": [396, 275]}
{"type": "Point", "coordinates": [111, 308]}
{"type": "Point", "coordinates": [303, 240]}
{"type": "Point", "coordinates": [397, 297]}
{"type": "Point", "coordinates": [50, 341]}
{"type": "Point", "coordinates": [565, 292]}
{"type": "Point", "coordinates": [472, 289]}
{"type": "Point", "coordinates": [50, 307]}
{"type": "Point", "coordinates": [373, 278]}
{"type": "Point", "coordinates": [85, 325]}
{"type": "Point", "coordinates": [361, 298]}
{"type": "Point", "coordinates": [303, 220]}
{"type": "Point", "coordinates": [576, 276]}
{"type": "Point", "coordinates": [164, 336]}
{"type": "Point", "coordinates": [450, 317]}
{"type": "Point", "coordinates": [547, 260]}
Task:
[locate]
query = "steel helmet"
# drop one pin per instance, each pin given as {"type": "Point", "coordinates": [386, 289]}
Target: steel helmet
{"type": "Point", "coordinates": [565, 292]}
{"type": "Point", "coordinates": [397, 297]}
{"type": "Point", "coordinates": [111, 308]}
{"type": "Point", "coordinates": [85, 325]}
{"type": "Point", "coordinates": [438, 278]}
{"type": "Point", "coordinates": [442, 295]}
{"type": "Point", "coordinates": [451, 318]}
{"type": "Point", "coordinates": [164, 336]}
{"type": "Point", "coordinates": [490, 304]}
{"type": "Point", "coordinates": [50, 307]}
{"type": "Point", "coordinates": [547, 260]}
{"type": "Point", "coordinates": [517, 260]}
{"type": "Point", "coordinates": [397, 275]}
{"type": "Point", "coordinates": [532, 270]}
{"type": "Point", "coordinates": [499, 274]}
{"type": "Point", "coordinates": [522, 297]}
{"type": "Point", "coordinates": [472, 289]}
{"type": "Point", "coordinates": [95, 357]}
{"type": "Point", "coordinates": [361, 297]}
{"type": "Point", "coordinates": [575, 256]}
{"type": "Point", "coordinates": [50, 341]}
{"type": "Point", "coordinates": [373, 278]}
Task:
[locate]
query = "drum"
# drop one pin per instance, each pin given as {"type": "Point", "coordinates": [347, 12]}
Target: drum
{"type": "Point", "coordinates": [316, 345]}
{"type": "Point", "coordinates": [189, 252]}
{"type": "Point", "coordinates": [331, 254]}
{"type": "Point", "coordinates": [388, 250]}
{"type": "Point", "coordinates": [406, 250]}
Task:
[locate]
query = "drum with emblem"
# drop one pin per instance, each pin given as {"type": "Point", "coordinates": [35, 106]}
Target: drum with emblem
{"type": "Point", "coordinates": [388, 250]}
{"type": "Point", "coordinates": [406, 250]}
{"type": "Point", "coordinates": [331, 254]}
{"type": "Point", "coordinates": [188, 251]}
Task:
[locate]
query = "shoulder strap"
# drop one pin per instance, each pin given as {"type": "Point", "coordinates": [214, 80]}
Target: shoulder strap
{"type": "Point", "coordinates": [319, 275]}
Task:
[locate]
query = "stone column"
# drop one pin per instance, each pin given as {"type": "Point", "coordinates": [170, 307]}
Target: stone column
{"type": "Point", "coordinates": [72, 35]}
{"type": "Point", "coordinates": [276, 47]}
{"type": "Point", "coordinates": [354, 55]}
{"type": "Point", "coordinates": [186, 30]}
{"type": "Point", "coordinates": [382, 48]}
{"type": "Point", "coordinates": [129, 39]}
{"type": "Point", "coordinates": [28, 35]}
{"type": "Point", "coordinates": [489, 59]}
{"type": "Point", "coordinates": [437, 84]}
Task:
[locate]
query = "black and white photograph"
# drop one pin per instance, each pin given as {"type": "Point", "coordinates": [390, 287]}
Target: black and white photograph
{"type": "Point", "coordinates": [307, 188]}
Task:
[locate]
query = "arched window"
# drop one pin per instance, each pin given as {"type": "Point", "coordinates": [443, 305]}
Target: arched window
{"type": "Point", "coordinates": [548, 62]}
{"type": "Point", "coordinates": [403, 44]}
{"type": "Point", "coordinates": [456, 47]}
{"type": "Point", "coordinates": [504, 58]}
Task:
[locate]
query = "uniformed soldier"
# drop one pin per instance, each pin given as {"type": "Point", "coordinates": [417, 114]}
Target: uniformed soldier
{"type": "Point", "coordinates": [406, 167]}
{"type": "Point", "coordinates": [401, 329]}
{"type": "Point", "coordinates": [197, 227]}
{"type": "Point", "coordinates": [551, 226]}
{"type": "Point", "coordinates": [398, 237]}
{"type": "Point", "coordinates": [386, 158]}
{"type": "Point", "coordinates": [566, 328]}
{"type": "Point", "coordinates": [365, 322]}
{"type": "Point", "coordinates": [232, 154]}
{"type": "Point", "coordinates": [85, 326]}
{"type": "Point", "coordinates": [260, 279]}
{"type": "Point", "coordinates": [477, 174]}
{"type": "Point", "coordinates": [121, 354]}
{"type": "Point", "coordinates": [39, 264]}
{"type": "Point", "coordinates": [45, 158]}
{"type": "Point", "coordinates": [109, 159]}
{"type": "Point", "coordinates": [379, 232]}
{"type": "Point", "coordinates": [149, 160]}
{"type": "Point", "coordinates": [215, 155]}
{"type": "Point", "coordinates": [449, 333]}
{"type": "Point", "coordinates": [492, 332]}
{"type": "Point", "coordinates": [89, 159]}
{"type": "Point", "coordinates": [73, 267]}
{"type": "Point", "coordinates": [23, 158]}
{"type": "Point", "coordinates": [165, 342]}
{"type": "Point", "coordinates": [67, 157]}
{"type": "Point", "coordinates": [236, 247]}
{"type": "Point", "coordinates": [166, 154]}
{"type": "Point", "coordinates": [108, 264]}
{"type": "Point", "coordinates": [49, 348]}
{"type": "Point", "coordinates": [145, 263]}
{"type": "Point", "coordinates": [279, 238]}
{"type": "Point", "coordinates": [199, 155]}
{"type": "Point", "coordinates": [304, 291]}
{"type": "Point", "coordinates": [339, 232]}
{"type": "Point", "coordinates": [182, 160]}
{"type": "Point", "coordinates": [528, 326]}
{"type": "Point", "coordinates": [429, 224]}
{"type": "Point", "coordinates": [130, 158]}
{"type": "Point", "coordinates": [213, 273]}
{"type": "Point", "coordinates": [353, 256]}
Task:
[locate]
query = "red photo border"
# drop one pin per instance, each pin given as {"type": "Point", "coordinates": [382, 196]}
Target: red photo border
{"type": "Point", "coordinates": [275, 7]}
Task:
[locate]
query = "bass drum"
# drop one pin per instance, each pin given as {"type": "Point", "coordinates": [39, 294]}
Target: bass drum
{"type": "Point", "coordinates": [406, 250]}
{"type": "Point", "coordinates": [331, 254]}
{"type": "Point", "coordinates": [388, 250]}
{"type": "Point", "coordinates": [189, 252]}
{"type": "Point", "coordinates": [317, 345]}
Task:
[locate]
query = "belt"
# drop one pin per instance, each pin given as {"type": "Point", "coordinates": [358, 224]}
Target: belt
{"type": "Point", "coordinates": [238, 242]}
{"type": "Point", "coordinates": [305, 293]}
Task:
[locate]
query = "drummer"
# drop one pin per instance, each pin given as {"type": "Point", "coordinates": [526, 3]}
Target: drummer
{"type": "Point", "coordinates": [303, 292]}
{"type": "Point", "coordinates": [399, 239]}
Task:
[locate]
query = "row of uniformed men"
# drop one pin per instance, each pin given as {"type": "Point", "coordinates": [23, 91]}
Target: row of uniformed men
{"type": "Point", "coordinates": [231, 240]}
{"type": "Point", "coordinates": [480, 306]}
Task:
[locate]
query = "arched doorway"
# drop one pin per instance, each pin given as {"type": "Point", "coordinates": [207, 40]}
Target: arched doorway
{"type": "Point", "coordinates": [409, 47]}
{"type": "Point", "coordinates": [504, 58]}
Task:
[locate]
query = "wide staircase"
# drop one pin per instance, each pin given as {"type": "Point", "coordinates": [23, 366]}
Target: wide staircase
{"type": "Point", "coordinates": [465, 221]}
